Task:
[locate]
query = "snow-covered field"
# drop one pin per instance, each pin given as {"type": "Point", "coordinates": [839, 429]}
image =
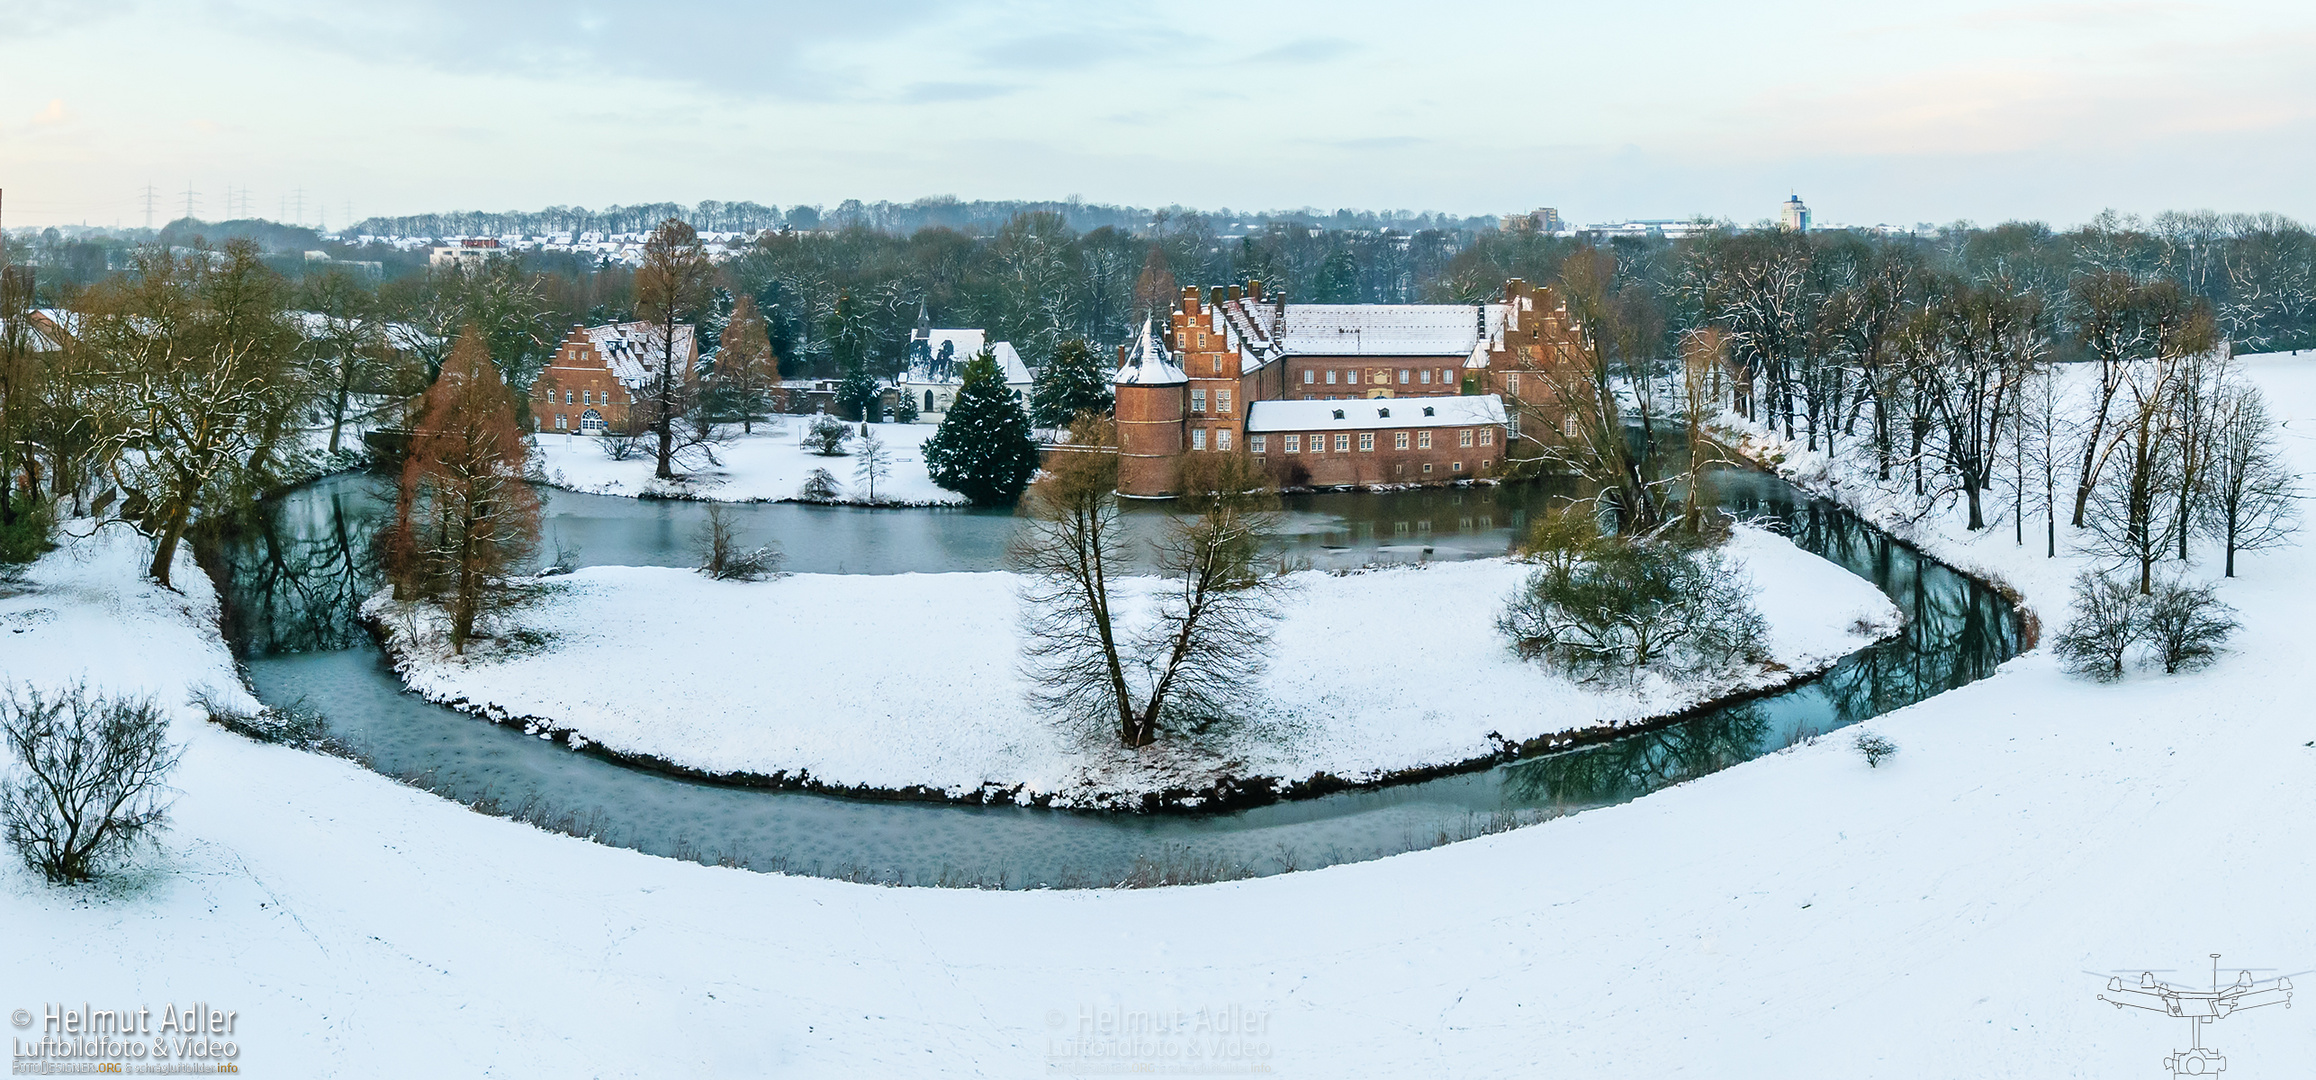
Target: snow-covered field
{"type": "Point", "coordinates": [1951, 913]}
{"type": "Point", "coordinates": [767, 466]}
{"type": "Point", "coordinates": [912, 680]}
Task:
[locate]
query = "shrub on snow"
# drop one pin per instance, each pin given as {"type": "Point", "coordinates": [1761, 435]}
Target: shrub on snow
{"type": "Point", "coordinates": [2186, 625]}
{"type": "Point", "coordinates": [88, 783]}
{"type": "Point", "coordinates": [2105, 623]}
{"type": "Point", "coordinates": [1625, 606]}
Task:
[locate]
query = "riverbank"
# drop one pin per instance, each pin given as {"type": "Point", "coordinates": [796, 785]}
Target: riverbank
{"type": "Point", "coordinates": [1953, 912]}
{"type": "Point", "coordinates": [770, 465]}
{"type": "Point", "coordinates": [908, 685]}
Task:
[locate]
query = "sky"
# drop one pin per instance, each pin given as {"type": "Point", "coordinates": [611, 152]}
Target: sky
{"type": "Point", "coordinates": [1928, 111]}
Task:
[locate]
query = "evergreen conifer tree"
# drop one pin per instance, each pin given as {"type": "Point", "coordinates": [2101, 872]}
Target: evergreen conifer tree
{"type": "Point", "coordinates": [983, 449]}
{"type": "Point", "coordinates": [1076, 382]}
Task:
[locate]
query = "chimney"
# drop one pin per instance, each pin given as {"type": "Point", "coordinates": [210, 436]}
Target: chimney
{"type": "Point", "coordinates": [1190, 299]}
{"type": "Point", "coordinates": [1234, 293]}
{"type": "Point", "coordinates": [1254, 290]}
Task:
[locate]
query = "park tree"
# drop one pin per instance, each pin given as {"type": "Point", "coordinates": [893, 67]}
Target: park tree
{"type": "Point", "coordinates": [464, 517]}
{"type": "Point", "coordinates": [983, 449]}
{"type": "Point", "coordinates": [2250, 496]}
{"type": "Point", "coordinates": [672, 288]}
{"type": "Point", "coordinates": [197, 387]}
{"type": "Point", "coordinates": [1076, 382]}
{"type": "Point", "coordinates": [746, 371]}
{"type": "Point", "coordinates": [1190, 667]}
{"type": "Point", "coordinates": [347, 348]}
{"type": "Point", "coordinates": [24, 367]}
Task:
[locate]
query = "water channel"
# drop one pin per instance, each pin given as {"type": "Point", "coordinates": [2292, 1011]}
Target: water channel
{"type": "Point", "coordinates": [298, 573]}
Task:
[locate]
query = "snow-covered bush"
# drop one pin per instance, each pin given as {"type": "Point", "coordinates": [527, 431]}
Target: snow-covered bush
{"type": "Point", "coordinates": [88, 783]}
{"type": "Point", "coordinates": [1629, 606]}
{"type": "Point", "coordinates": [2105, 623]}
{"type": "Point", "coordinates": [2186, 625]}
{"type": "Point", "coordinates": [722, 554]}
{"type": "Point", "coordinates": [1873, 748]}
{"type": "Point", "coordinates": [827, 435]}
{"type": "Point", "coordinates": [819, 486]}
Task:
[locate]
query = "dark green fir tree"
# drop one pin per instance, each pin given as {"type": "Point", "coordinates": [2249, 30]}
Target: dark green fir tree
{"type": "Point", "coordinates": [1076, 382]}
{"type": "Point", "coordinates": [983, 449]}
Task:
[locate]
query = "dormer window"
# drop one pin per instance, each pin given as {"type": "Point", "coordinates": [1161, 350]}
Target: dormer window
{"type": "Point", "coordinates": [1338, 414]}
{"type": "Point", "coordinates": [1383, 414]}
{"type": "Point", "coordinates": [1427, 410]}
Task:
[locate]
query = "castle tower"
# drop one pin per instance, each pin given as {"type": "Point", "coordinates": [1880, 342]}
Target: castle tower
{"type": "Point", "coordinates": [1151, 389]}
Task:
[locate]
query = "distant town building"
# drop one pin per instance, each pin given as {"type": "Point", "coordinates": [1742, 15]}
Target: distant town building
{"type": "Point", "coordinates": [1541, 220]}
{"type": "Point", "coordinates": [937, 364]}
{"type": "Point", "coordinates": [596, 373]}
{"type": "Point", "coordinates": [471, 252]}
{"type": "Point", "coordinates": [1793, 216]}
{"type": "Point", "coordinates": [1339, 394]}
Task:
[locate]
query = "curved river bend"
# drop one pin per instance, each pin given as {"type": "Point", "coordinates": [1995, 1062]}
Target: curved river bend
{"type": "Point", "coordinates": [296, 577]}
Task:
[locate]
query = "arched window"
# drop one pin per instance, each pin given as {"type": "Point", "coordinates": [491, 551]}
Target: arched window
{"type": "Point", "coordinates": [591, 422]}
{"type": "Point", "coordinates": [928, 401]}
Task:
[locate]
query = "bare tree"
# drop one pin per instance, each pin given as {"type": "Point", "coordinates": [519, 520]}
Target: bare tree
{"type": "Point", "coordinates": [1193, 666]}
{"type": "Point", "coordinates": [874, 464]}
{"type": "Point", "coordinates": [2120, 319]}
{"type": "Point", "coordinates": [91, 779]}
{"type": "Point", "coordinates": [671, 288]}
{"type": "Point", "coordinates": [2250, 496]}
{"type": "Point", "coordinates": [198, 388]}
{"type": "Point", "coordinates": [725, 556]}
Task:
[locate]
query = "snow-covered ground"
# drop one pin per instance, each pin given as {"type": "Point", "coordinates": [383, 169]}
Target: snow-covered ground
{"type": "Point", "coordinates": [1951, 913]}
{"type": "Point", "coordinates": [768, 466]}
{"type": "Point", "coordinates": [912, 680]}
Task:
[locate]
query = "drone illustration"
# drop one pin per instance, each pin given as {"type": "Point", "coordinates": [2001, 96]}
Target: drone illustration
{"type": "Point", "coordinates": [2198, 1008]}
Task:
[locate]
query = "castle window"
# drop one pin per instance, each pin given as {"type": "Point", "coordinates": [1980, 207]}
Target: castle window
{"type": "Point", "coordinates": [1294, 444]}
{"type": "Point", "coordinates": [1330, 376]}
{"type": "Point", "coordinates": [1443, 377]}
{"type": "Point", "coordinates": [1222, 402]}
{"type": "Point", "coordinates": [1366, 440]}
{"type": "Point", "coordinates": [1425, 377]}
{"type": "Point", "coordinates": [1399, 440]}
{"type": "Point", "coordinates": [1464, 437]}
{"type": "Point", "coordinates": [1308, 376]}
{"type": "Point", "coordinates": [1222, 438]}
{"type": "Point", "coordinates": [1342, 444]}
{"type": "Point", "coordinates": [1568, 425]}
{"type": "Point", "coordinates": [562, 421]}
{"type": "Point", "coordinates": [1218, 363]}
{"type": "Point", "coordinates": [1512, 383]}
{"type": "Point", "coordinates": [1403, 375]}
{"type": "Point", "coordinates": [1198, 401]}
{"type": "Point", "coordinates": [1487, 436]}
{"type": "Point", "coordinates": [1423, 442]}
{"type": "Point", "coordinates": [1257, 443]}
{"type": "Point", "coordinates": [1427, 466]}
{"type": "Point", "coordinates": [1456, 467]}
{"type": "Point", "coordinates": [566, 396]}
{"type": "Point", "coordinates": [1198, 438]}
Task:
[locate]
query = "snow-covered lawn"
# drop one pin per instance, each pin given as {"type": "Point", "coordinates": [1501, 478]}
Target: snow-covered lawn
{"type": "Point", "coordinates": [1951, 913]}
{"type": "Point", "coordinates": [912, 680]}
{"type": "Point", "coordinates": [767, 466]}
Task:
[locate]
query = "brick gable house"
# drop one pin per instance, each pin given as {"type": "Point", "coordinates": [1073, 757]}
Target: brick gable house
{"type": "Point", "coordinates": [591, 383]}
{"type": "Point", "coordinates": [1340, 394]}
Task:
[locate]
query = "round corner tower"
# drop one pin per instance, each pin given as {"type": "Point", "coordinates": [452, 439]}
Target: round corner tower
{"type": "Point", "coordinates": [1151, 394]}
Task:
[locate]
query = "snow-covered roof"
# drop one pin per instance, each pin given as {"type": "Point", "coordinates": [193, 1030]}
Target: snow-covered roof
{"type": "Point", "coordinates": [632, 349]}
{"type": "Point", "coordinates": [962, 345]}
{"type": "Point", "coordinates": [1370, 414]}
{"type": "Point", "coordinates": [1382, 329]}
{"type": "Point", "coordinates": [1149, 364]}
